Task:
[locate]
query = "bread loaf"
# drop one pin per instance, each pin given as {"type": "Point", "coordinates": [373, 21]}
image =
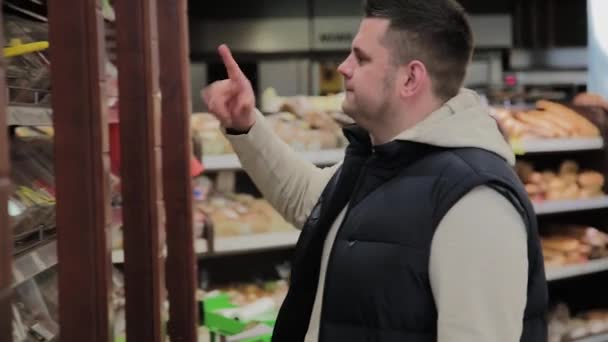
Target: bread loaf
{"type": "Point", "coordinates": [539, 121]}
{"type": "Point", "coordinates": [591, 179]}
{"type": "Point", "coordinates": [537, 125]}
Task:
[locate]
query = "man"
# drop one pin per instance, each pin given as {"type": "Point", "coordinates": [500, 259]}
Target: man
{"type": "Point", "coordinates": [424, 232]}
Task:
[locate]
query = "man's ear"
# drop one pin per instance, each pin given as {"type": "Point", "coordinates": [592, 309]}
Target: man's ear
{"type": "Point", "coordinates": [414, 77]}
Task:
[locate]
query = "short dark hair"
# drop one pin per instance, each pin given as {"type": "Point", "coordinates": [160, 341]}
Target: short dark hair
{"type": "Point", "coordinates": [436, 32]}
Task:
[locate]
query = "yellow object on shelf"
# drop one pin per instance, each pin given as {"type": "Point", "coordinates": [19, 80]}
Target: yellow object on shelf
{"type": "Point", "coordinates": [517, 146]}
{"type": "Point", "coordinates": [16, 48]}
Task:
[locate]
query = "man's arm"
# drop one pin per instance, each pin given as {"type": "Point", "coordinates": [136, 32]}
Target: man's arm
{"type": "Point", "coordinates": [479, 270]}
{"type": "Point", "coordinates": [291, 184]}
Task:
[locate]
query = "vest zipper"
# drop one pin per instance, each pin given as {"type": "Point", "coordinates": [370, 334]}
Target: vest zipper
{"type": "Point", "coordinates": [333, 246]}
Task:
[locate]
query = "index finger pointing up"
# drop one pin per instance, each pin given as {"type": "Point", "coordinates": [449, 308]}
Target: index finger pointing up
{"type": "Point", "coordinates": [233, 69]}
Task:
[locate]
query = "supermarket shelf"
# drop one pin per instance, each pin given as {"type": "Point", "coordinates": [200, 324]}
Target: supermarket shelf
{"type": "Point", "coordinates": [118, 256]}
{"type": "Point", "coordinates": [238, 244]}
{"type": "Point", "coordinates": [558, 145]}
{"type": "Point", "coordinates": [595, 338]}
{"type": "Point", "coordinates": [230, 245]}
{"type": "Point", "coordinates": [594, 266]}
{"type": "Point", "coordinates": [29, 116]}
{"type": "Point", "coordinates": [329, 157]}
{"type": "Point", "coordinates": [231, 162]}
{"type": "Point", "coordinates": [565, 206]}
{"type": "Point", "coordinates": [551, 77]}
{"type": "Point", "coordinates": [29, 265]}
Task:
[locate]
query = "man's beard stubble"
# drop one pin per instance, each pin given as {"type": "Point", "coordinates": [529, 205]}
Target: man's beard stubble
{"type": "Point", "coordinates": [366, 117]}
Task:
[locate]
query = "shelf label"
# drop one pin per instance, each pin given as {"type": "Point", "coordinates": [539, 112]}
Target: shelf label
{"type": "Point", "coordinates": [29, 116]}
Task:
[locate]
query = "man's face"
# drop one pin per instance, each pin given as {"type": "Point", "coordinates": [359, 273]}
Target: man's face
{"type": "Point", "coordinates": [369, 74]}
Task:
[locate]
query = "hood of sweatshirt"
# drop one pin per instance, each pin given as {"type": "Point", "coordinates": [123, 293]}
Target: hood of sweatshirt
{"type": "Point", "coordinates": [463, 121]}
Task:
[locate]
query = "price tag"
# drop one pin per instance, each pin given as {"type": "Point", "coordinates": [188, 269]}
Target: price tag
{"type": "Point", "coordinates": [29, 116]}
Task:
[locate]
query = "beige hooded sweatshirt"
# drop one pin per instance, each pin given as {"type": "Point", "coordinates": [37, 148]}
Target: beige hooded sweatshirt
{"type": "Point", "coordinates": [478, 265]}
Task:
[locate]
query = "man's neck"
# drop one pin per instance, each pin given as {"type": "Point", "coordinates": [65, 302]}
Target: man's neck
{"type": "Point", "coordinates": [401, 120]}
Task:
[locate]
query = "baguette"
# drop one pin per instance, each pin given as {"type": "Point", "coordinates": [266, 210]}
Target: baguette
{"type": "Point", "coordinates": [565, 126]}
{"type": "Point", "coordinates": [538, 124]}
{"type": "Point", "coordinates": [584, 126]}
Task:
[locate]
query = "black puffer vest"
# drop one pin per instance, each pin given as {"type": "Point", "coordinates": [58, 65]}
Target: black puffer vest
{"type": "Point", "coordinates": [377, 286]}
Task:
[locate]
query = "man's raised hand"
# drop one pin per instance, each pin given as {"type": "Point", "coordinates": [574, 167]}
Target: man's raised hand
{"type": "Point", "coordinates": [232, 100]}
